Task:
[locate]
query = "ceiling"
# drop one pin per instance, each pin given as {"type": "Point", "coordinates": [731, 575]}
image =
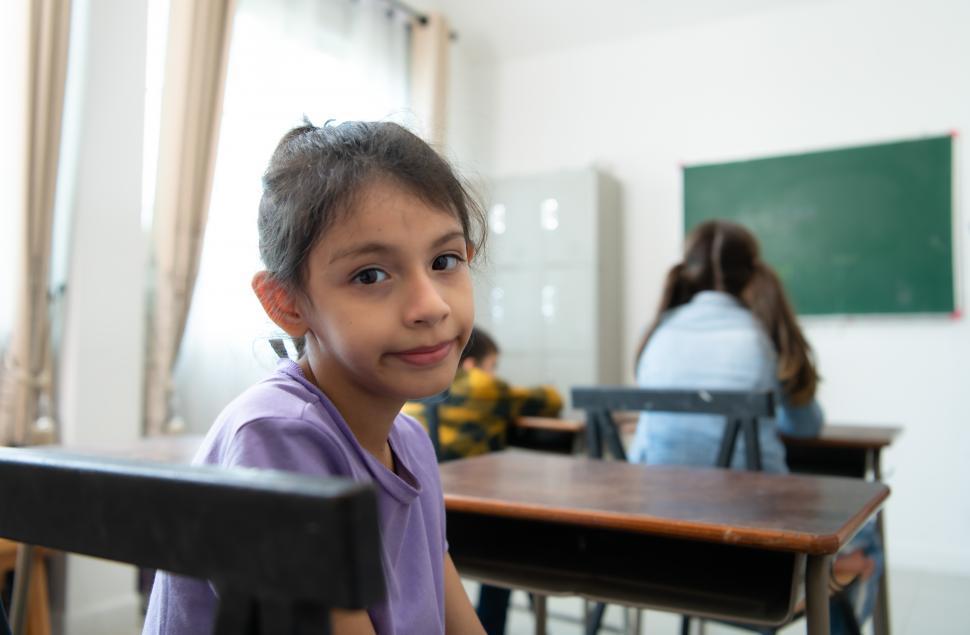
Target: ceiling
{"type": "Point", "coordinates": [514, 28]}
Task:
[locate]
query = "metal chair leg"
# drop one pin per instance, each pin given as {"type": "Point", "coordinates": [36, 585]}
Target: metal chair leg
{"type": "Point", "coordinates": [21, 585]}
{"type": "Point", "coordinates": [880, 614]}
{"type": "Point", "coordinates": [595, 618]}
{"type": "Point", "coordinates": [633, 618]}
{"type": "Point", "coordinates": [540, 613]}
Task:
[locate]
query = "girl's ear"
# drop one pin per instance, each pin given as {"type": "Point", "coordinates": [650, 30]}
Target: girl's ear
{"type": "Point", "coordinates": [469, 250]}
{"type": "Point", "coordinates": [279, 304]}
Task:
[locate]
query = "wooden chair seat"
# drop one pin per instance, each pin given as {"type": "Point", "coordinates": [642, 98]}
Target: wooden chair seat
{"type": "Point", "coordinates": [38, 620]}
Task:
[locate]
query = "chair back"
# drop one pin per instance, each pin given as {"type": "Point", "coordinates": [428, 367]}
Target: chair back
{"type": "Point", "coordinates": [740, 409]}
{"type": "Point", "coordinates": [282, 549]}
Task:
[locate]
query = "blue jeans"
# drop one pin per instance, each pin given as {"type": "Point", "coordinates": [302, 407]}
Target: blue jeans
{"type": "Point", "coordinates": [863, 595]}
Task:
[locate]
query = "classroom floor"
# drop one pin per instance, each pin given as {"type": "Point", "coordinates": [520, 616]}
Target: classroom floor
{"type": "Point", "coordinates": [921, 602]}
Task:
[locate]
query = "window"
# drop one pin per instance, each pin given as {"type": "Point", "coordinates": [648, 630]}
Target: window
{"type": "Point", "coordinates": [324, 59]}
{"type": "Point", "coordinates": [13, 73]}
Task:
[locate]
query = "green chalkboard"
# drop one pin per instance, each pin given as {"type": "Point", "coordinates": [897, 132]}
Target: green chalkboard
{"type": "Point", "coordinates": [860, 230]}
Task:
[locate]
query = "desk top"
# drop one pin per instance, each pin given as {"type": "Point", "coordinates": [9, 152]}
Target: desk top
{"type": "Point", "coordinates": [173, 449]}
{"type": "Point", "coordinates": [807, 514]}
{"type": "Point", "coordinates": [848, 436]}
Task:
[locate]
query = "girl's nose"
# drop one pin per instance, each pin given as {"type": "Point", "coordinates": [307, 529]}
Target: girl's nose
{"type": "Point", "coordinates": [425, 304]}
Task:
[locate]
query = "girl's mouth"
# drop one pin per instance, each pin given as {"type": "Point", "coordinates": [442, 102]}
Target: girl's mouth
{"type": "Point", "coordinates": [426, 355]}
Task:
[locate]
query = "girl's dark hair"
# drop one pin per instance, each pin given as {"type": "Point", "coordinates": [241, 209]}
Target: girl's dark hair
{"type": "Point", "coordinates": [724, 256]}
{"type": "Point", "coordinates": [315, 174]}
{"type": "Point", "coordinates": [480, 345]}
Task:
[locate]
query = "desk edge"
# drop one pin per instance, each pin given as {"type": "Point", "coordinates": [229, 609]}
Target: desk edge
{"type": "Point", "coordinates": [773, 539]}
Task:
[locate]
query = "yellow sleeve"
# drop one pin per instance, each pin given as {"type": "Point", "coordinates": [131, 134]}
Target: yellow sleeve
{"type": "Point", "coordinates": [538, 401]}
{"type": "Point", "coordinates": [479, 386]}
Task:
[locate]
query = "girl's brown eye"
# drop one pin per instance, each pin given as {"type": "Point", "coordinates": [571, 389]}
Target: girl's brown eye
{"type": "Point", "coordinates": [445, 262]}
{"type": "Point", "coordinates": [370, 276]}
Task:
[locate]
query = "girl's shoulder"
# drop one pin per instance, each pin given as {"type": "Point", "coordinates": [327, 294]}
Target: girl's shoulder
{"type": "Point", "coordinates": [408, 428]}
{"type": "Point", "coordinates": [285, 394]}
{"type": "Point", "coordinates": [276, 423]}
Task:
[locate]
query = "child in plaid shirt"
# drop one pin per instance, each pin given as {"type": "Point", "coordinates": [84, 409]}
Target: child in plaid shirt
{"type": "Point", "coordinates": [479, 409]}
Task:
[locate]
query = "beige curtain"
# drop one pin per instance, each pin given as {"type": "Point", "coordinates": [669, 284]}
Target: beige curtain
{"type": "Point", "coordinates": [429, 76]}
{"type": "Point", "coordinates": [195, 76]}
{"type": "Point", "coordinates": [26, 391]}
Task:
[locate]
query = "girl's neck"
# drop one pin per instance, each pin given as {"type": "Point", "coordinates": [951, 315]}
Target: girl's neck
{"type": "Point", "coordinates": [369, 419]}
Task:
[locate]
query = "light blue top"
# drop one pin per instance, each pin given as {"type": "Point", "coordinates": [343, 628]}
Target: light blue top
{"type": "Point", "coordinates": [713, 343]}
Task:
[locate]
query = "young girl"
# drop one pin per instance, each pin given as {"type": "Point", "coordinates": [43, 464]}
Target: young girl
{"type": "Point", "coordinates": [724, 323]}
{"type": "Point", "coordinates": [366, 235]}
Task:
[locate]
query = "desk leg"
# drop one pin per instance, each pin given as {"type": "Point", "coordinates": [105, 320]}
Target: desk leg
{"type": "Point", "coordinates": [817, 594]}
{"type": "Point", "coordinates": [633, 615]}
{"type": "Point", "coordinates": [539, 607]}
{"type": "Point", "coordinates": [880, 614]}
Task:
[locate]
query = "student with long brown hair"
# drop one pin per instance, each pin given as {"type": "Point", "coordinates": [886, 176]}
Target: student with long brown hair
{"type": "Point", "coordinates": [724, 323]}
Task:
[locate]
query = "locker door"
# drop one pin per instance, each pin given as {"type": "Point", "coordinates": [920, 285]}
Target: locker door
{"type": "Point", "coordinates": [513, 229]}
{"type": "Point", "coordinates": [566, 305]}
{"type": "Point", "coordinates": [514, 311]}
{"type": "Point", "coordinates": [566, 209]}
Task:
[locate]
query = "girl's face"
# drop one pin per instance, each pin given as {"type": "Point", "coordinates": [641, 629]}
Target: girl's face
{"type": "Point", "coordinates": [389, 298]}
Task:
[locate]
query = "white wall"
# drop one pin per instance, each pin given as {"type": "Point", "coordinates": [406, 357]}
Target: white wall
{"type": "Point", "coordinates": [470, 115]}
{"type": "Point", "coordinates": [823, 75]}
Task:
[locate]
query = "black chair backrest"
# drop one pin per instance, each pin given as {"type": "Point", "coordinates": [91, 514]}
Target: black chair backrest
{"type": "Point", "coordinates": [281, 548]}
{"type": "Point", "coordinates": [740, 409]}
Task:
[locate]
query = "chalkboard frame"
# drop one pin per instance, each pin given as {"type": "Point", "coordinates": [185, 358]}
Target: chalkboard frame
{"type": "Point", "coordinates": [855, 230]}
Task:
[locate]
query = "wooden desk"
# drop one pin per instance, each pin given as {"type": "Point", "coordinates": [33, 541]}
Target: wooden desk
{"type": "Point", "coordinates": [843, 450]}
{"type": "Point", "coordinates": [719, 543]}
{"type": "Point", "coordinates": [855, 451]}
{"type": "Point", "coordinates": [171, 449]}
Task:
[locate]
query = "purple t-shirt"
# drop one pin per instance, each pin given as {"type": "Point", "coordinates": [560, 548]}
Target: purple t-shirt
{"type": "Point", "coordinates": [287, 423]}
